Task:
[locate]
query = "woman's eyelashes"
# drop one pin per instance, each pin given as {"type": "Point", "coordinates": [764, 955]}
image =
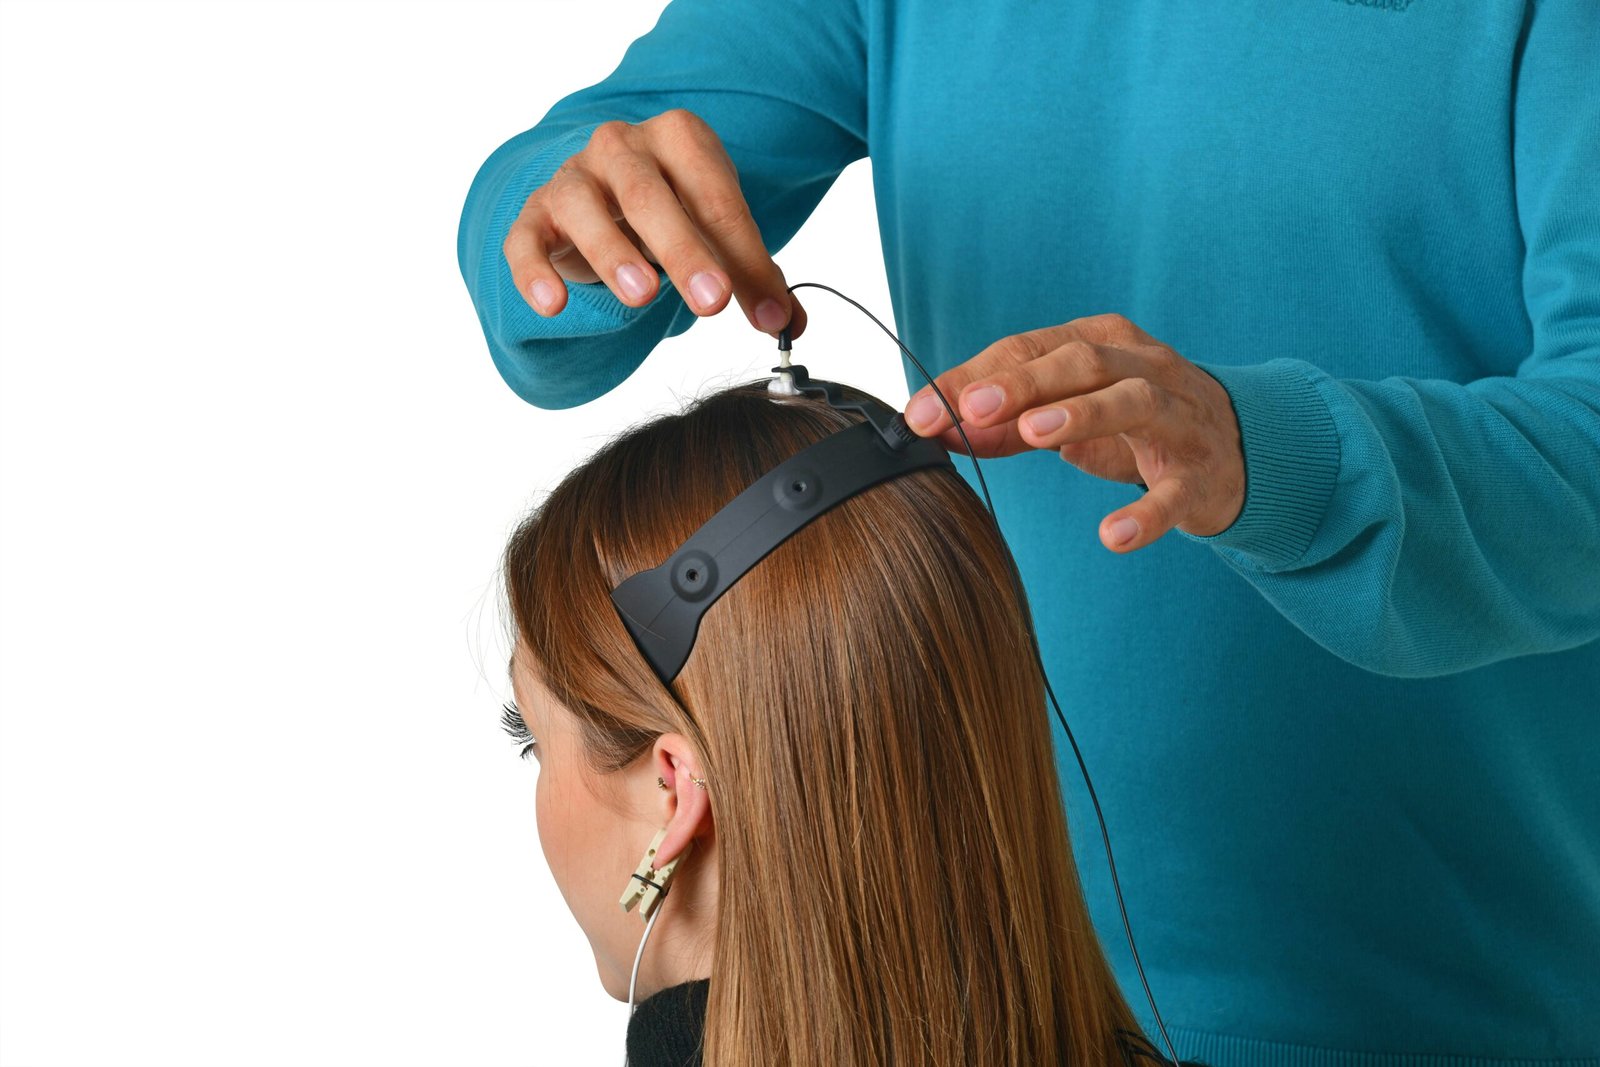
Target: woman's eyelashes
{"type": "Point", "coordinates": [511, 721]}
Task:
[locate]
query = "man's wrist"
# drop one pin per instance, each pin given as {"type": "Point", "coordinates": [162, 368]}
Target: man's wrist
{"type": "Point", "coordinates": [1291, 457]}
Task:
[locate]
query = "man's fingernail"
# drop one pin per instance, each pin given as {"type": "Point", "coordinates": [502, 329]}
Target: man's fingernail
{"type": "Point", "coordinates": [1124, 530]}
{"type": "Point", "coordinates": [984, 401]}
{"type": "Point", "coordinates": [1047, 421]}
{"type": "Point", "coordinates": [705, 289]}
{"type": "Point", "coordinates": [633, 281]}
{"type": "Point", "coordinates": [923, 411]}
{"type": "Point", "coordinates": [769, 315]}
{"type": "Point", "coordinates": [543, 294]}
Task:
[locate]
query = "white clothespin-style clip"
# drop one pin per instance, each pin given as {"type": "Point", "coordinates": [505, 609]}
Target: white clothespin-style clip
{"type": "Point", "coordinates": [648, 883]}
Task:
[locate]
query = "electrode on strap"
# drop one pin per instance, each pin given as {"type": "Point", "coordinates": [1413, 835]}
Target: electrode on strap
{"type": "Point", "coordinates": [662, 606]}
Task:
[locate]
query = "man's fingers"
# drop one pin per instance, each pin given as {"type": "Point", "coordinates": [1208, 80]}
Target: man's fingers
{"type": "Point", "coordinates": [1092, 418]}
{"type": "Point", "coordinates": [1068, 370]}
{"type": "Point", "coordinates": [1110, 329]}
{"type": "Point", "coordinates": [1149, 517]}
{"type": "Point", "coordinates": [527, 252]}
{"type": "Point", "coordinates": [640, 200]}
{"type": "Point", "coordinates": [1024, 370]}
{"type": "Point", "coordinates": [703, 177]}
{"type": "Point", "coordinates": [1104, 457]}
{"type": "Point", "coordinates": [654, 213]}
{"type": "Point", "coordinates": [988, 442]}
{"type": "Point", "coordinates": [638, 242]}
{"type": "Point", "coordinates": [1125, 404]}
{"type": "Point", "coordinates": [585, 216]}
{"type": "Point", "coordinates": [926, 415]}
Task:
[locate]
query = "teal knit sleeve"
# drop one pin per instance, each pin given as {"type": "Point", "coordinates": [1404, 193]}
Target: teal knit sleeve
{"type": "Point", "coordinates": [782, 84]}
{"type": "Point", "coordinates": [1418, 527]}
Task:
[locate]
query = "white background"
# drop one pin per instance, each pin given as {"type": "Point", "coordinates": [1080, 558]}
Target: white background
{"type": "Point", "coordinates": [255, 806]}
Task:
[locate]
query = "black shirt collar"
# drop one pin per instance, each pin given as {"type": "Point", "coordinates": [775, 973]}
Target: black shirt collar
{"type": "Point", "coordinates": [666, 1027]}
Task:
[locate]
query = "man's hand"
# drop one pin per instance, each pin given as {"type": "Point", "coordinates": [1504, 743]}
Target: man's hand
{"type": "Point", "coordinates": [659, 193]}
{"type": "Point", "coordinates": [1116, 403]}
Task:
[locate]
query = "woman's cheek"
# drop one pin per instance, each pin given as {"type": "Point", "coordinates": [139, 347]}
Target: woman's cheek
{"type": "Point", "coordinates": [542, 818]}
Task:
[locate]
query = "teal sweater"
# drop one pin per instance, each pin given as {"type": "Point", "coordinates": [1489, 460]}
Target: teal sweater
{"type": "Point", "coordinates": [1348, 748]}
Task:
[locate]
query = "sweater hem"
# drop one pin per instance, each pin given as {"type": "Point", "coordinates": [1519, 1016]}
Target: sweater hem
{"type": "Point", "coordinates": [1227, 1050]}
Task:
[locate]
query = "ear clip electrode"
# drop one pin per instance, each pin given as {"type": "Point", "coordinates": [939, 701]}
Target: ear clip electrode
{"type": "Point", "coordinates": [648, 885]}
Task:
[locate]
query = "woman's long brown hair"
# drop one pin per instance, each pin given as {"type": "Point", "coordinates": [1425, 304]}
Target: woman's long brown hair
{"type": "Point", "coordinates": [895, 882]}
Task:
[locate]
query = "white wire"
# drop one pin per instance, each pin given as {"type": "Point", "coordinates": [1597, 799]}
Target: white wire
{"type": "Point", "coordinates": [632, 979]}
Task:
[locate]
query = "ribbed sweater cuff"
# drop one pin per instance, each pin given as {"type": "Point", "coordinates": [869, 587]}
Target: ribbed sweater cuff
{"type": "Point", "coordinates": [1291, 459]}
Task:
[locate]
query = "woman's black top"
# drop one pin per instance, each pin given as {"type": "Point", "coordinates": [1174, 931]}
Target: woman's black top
{"type": "Point", "coordinates": [665, 1028]}
{"type": "Point", "coordinates": [666, 1031]}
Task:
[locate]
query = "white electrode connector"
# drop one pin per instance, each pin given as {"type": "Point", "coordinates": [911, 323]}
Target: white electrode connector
{"type": "Point", "coordinates": [782, 383]}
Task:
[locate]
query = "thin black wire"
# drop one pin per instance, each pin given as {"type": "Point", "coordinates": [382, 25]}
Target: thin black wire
{"type": "Point", "coordinates": [1016, 578]}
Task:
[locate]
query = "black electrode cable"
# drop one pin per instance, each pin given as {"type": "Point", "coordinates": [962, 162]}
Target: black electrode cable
{"type": "Point", "coordinates": [784, 344]}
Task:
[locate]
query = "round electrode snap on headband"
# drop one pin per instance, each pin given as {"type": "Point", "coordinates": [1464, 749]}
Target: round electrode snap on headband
{"type": "Point", "coordinates": [663, 605]}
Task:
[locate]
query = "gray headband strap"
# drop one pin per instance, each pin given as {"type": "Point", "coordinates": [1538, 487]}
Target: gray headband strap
{"type": "Point", "coordinates": [662, 606]}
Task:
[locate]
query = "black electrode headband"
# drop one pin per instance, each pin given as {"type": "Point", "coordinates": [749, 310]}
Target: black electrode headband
{"type": "Point", "coordinates": [662, 606]}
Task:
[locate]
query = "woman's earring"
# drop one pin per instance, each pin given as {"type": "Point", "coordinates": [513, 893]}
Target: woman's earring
{"type": "Point", "coordinates": [648, 885]}
{"type": "Point", "coordinates": [662, 782]}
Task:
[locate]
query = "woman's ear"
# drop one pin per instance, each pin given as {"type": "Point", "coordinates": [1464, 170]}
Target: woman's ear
{"type": "Point", "coordinates": [686, 807]}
